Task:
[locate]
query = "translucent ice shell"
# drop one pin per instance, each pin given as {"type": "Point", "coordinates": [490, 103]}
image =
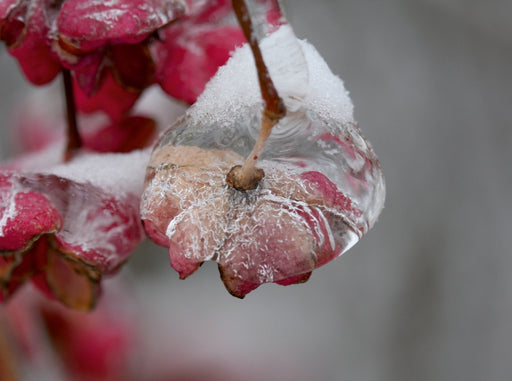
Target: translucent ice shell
{"type": "Point", "coordinates": [323, 187]}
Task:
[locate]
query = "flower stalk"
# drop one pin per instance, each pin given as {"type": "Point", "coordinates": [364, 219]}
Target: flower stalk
{"type": "Point", "coordinates": [247, 176]}
{"type": "Point", "coordinates": [73, 135]}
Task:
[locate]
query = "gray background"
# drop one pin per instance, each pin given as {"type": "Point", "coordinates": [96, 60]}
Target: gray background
{"type": "Point", "coordinates": [427, 294]}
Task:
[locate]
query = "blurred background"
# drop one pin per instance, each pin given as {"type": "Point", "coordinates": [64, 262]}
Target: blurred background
{"type": "Point", "coordinates": [427, 294]}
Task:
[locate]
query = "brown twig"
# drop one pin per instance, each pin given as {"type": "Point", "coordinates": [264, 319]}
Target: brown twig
{"type": "Point", "coordinates": [247, 176]}
{"type": "Point", "coordinates": [73, 135]}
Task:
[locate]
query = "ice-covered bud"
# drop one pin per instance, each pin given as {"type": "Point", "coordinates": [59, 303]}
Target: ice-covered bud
{"type": "Point", "coordinates": [322, 189]}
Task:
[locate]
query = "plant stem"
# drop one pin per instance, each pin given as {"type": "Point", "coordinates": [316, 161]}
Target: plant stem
{"type": "Point", "coordinates": [8, 366]}
{"type": "Point", "coordinates": [73, 135]}
{"type": "Point", "coordinates": [247, 176]}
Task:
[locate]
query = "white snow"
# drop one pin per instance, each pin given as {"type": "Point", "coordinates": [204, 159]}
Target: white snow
{"type": "Point", "coordinates": [117, 173]}
{"type": "Point", "coordinates": [300, 75]}
{"type": "Point", "coordinates": [10, 211]}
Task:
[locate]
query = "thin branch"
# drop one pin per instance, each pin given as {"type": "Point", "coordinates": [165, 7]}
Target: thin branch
{"type": "Point", "coordinates": [247, 176]}
{"type": "Point", "coordinates": [73, 135]}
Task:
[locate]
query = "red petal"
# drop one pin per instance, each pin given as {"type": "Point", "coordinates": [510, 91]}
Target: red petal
{"type": "Point", "coordinates": [99, 229]}
{"type": "Point", "coordinates": [130, 133]}
{"type": "Point", "coordinates": [87, 71]}
{"type": "Point", "coordinates": [270, 246]}
{"type": "Point", "coordinates": [5, 7]}
{"type": "Point", "coordinates": [133, 65]}
{"type": "Point", "coordinates": [186, 62]}
{"type": "Point", "coordinates": [88, 25]}
{"type": "Point", "coordinates": [111, 98]}
{"type": "Point", "coordinates": [323, 191]}
{"type": "Point", "coordinates": [25, 32]}
{"type": "Point", "coordinates": [84, 346]}
{"type": "Point", "coordinates": [24, 215]}
{"type": "Point", "coordinates": [194, 47]}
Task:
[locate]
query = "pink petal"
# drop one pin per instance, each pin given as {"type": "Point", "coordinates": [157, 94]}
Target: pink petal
{"type": "Point", "coordinates": [204, 12]}
{"type": "Point", "coordinates": [38, 125]}
{"type": "Point", "coordinates": [98, 228]}
{"type": "Point", "coordinates": [95, 346]}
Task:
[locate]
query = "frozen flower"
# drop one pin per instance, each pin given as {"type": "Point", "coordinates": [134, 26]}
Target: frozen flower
{"type": "Point", "coordinates": [322, 187]}
{"type": "Point", "coordinates": [66, 226]}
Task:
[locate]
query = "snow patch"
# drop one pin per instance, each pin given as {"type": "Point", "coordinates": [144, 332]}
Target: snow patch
{"type": "Point", "coordinates": [115, 173]}
{"type": "Point", "coordinates": [300, 75]}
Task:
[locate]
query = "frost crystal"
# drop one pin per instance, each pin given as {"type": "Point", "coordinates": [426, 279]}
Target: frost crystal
{"type": "Point", "coordinates": [322, 190]}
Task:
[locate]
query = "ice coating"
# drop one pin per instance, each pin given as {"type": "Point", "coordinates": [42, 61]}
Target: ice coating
{"type": "Point", "coordinates": [322, 190]}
